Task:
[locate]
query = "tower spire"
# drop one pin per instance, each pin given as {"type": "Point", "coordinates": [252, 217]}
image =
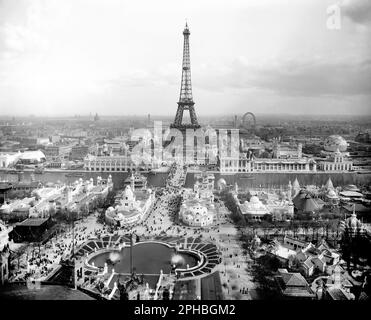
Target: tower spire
{"type": "Point", "coordinates": [185, 97]}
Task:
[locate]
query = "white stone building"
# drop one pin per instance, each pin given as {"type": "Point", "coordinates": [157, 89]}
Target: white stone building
{"type": "Point", "coordinates": [242, 164]}
{"type": "Point", "coordinates": [131, 207]}
{"type": "Point", "coordinates": [336, 162]}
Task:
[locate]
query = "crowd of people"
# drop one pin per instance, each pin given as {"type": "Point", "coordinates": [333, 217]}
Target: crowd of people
{"type": "Point", "coordinates": [160, 221]}
{"type": "Point", "coordinates": [38, 261]}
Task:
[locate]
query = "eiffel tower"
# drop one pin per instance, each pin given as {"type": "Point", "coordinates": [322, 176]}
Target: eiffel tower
{"type": "Point", "coordinates": [185, 98]}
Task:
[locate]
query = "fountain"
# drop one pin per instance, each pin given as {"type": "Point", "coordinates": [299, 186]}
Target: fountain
{"type": "Point", "coordinates": [177, 260]}
{"type": "Point", "coordinates": [147, 258]}
{"type": "Point", "coordinates": [114, 257]}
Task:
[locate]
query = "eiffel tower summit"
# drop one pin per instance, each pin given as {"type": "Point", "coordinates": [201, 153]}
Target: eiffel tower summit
{"type": "Point", "coordinates": [185, 98]}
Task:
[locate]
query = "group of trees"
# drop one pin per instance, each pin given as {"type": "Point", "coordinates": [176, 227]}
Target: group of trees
{"type": "Point", "coordinates": [18, 194]}
{"type": "Point", "coordinates": [355, 247]}
{"type": "Point", "coordinates": [263, 274]}
{"type": "Point", "coordinates": [232, 206]}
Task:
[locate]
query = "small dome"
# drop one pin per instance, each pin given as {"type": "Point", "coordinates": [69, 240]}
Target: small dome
{"type": "Point", "coordinates": [335, 143]}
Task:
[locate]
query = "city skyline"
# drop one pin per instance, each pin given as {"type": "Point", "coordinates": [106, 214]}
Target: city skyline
{"type": "Point", "coordinates": [215, 151]}
{"type": "Point", "coordinates": [269, 57]}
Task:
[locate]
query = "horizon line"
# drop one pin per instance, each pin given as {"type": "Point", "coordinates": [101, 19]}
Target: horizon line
{"type": "Point", "coordinates": [171, 116]}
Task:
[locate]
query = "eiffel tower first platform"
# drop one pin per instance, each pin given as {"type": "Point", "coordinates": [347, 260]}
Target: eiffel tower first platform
{"type": "Point", "coordinates": [185, 98]}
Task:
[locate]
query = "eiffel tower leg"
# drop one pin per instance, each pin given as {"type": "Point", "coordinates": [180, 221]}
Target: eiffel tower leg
{"type": "Point", "coordinates": [179, 116]}
{"type": "Point", "coordinates": [192, 115]}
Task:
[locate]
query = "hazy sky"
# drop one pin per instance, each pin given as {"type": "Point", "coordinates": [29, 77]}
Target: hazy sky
{"type": "Point", "coordinates": [124, 57]}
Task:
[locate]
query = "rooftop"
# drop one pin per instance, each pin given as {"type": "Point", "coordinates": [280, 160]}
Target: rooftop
{"type": "Point", "coordinates": [33, 222]}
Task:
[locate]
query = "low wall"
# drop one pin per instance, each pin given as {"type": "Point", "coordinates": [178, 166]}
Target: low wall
{"type": "Point", "coordinates": [199, 255]}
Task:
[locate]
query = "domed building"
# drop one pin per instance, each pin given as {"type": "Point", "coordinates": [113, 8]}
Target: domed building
{"type": "Point", "coordinates": [336, 155]}
{"type": "Point", "coordinates": [352, 225]}
{"type": "Point", "coordinates": [254, 209]}
{"type": "Point", "coordinates": [198, 209]}
{"type": "Point", "coordinates": [304, 202]}
{"type": "Point", "coordinates": [334, 143]}
{"type": "Point", "coordinates": [131, 207]}
{"type": "Point", "coordinates": [204, 185]}
{"type": "Point", "coordinates": [197, 213]}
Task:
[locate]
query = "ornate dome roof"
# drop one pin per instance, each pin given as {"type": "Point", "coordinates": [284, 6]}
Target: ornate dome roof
{"type": "Point", "coordinates": [335, 143]}
{"type": "Point", "coordinates": [254, 206]}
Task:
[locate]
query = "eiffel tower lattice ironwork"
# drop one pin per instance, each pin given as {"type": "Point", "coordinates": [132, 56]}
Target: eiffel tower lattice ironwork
{"type": "Point", "coordinates": [186, 99]}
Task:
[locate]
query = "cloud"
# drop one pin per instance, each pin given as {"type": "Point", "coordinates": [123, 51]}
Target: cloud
{"type": "Point", "coordinates": [317, 77]}
{"type": "Point", "coordinates": [297, 77]}
{"type": "Point", "coordinates": [358, 11]}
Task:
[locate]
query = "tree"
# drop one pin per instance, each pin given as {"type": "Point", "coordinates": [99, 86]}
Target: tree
{"type": "Point", "coordinates": [166, 294]}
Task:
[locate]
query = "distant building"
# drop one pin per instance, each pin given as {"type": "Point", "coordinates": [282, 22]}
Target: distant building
{"type": "Point", "coordinates": [18, 209]}
{"type": "Point", "coordinates": [198, 209]}
{"type": "Point", "coordinates": [284, 151]}
{"type": "Point", "coordinates": [136, 181]}
{"type": "Point", "coordinates": [336, 157]}
{"type": "Point", "coordinates": [254, 209]}
{"type": "Point", "coordinates": [335, 162]}
{"type": "Point", "coordinates": [244, 164]}
{"type": "Point", "coordinates": [79, 152]}
{"type": "Point", "coordinates": [363, 137]}
{"type": "Point", "coordinates": [53, 152]}
{"type": "Point", "coordinates": [8, 159]}
{"type": "Point", "coordinates": [30, 230]}
{"type": "Point", "coordinates": [334, 143]}
{"type": "Point", "coordinates": [27, 158]}
{"type": "Point", "coordinates": [130, 208]}
{"type": "Point", "coordinates": [197, 213]}
{"type": "Point", "coordinates": [304, 256]}
{"type": "Point", "coordinates": [281, 210]}
{"type": "Point", "coordinates": [120, 163]}
{"type": "Point", "coordinates": [47, 201]}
